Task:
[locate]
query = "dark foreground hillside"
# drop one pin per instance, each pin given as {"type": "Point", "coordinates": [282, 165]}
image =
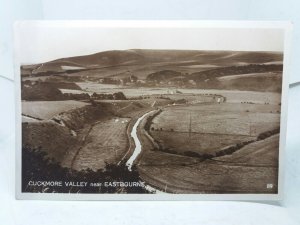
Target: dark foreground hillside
{"type": "Point", "coordinates": [37, 167]}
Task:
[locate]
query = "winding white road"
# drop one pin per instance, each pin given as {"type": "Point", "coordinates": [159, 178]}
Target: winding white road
{"type": "Point", "coordinates": [138, 145]}
{"type": "Point", "coordinates": [138, 150]}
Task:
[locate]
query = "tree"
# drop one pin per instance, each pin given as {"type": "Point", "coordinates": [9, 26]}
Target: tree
{"type": "Point", "coordinates": [119, 96]}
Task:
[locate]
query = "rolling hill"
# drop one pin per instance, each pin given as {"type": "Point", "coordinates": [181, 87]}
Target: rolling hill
{"type": "Point", "coordinates": [176, 68]}
{"type": "Point", "coordinates": [184, 60]}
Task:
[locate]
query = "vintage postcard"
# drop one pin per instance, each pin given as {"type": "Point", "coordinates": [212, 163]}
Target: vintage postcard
{"type": "Point", "coordinates": [151, 110]}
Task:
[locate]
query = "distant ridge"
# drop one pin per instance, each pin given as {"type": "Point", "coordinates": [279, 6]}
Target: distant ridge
{"type": "Point", "coordinates": [151, 56]}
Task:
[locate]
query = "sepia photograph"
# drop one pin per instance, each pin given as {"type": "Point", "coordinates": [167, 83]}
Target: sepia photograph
{"type": "Point", "coordinates": [154, 109]}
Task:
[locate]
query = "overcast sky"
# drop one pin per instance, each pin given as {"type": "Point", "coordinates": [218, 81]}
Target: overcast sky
{"type": "Point", "coordinates": [42, 42]}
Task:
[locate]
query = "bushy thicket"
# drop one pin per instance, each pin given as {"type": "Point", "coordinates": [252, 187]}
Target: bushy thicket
{"type": "Point", "coordinates": [267, 134]}
{"type": "Point", "coordinates": [37, 167]}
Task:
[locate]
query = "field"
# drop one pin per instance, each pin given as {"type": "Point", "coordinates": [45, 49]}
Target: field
{"type": "Point", "coordinates": [248, 170]}
{"type": "Point", "coordinates": [263, 153]}
{"type": "Point", "coordinates": [217, 119]}
{"type": "Point", "coordinates": [199, 143]}
{"type": "Point", "coordinates": [211, 177]}
{"type": "Point", "coordinates": [236, 96]}
{"type": "Point", "coordinates": [206, 128]}
{"type": "Point", "coordinates": [232, 96]}
{"type": "Point", "coordinates": [105, 142]}
{"type": "Point", "coordinates": [48, 109]}
{"type": "Point", "coordinates": [270, 81]}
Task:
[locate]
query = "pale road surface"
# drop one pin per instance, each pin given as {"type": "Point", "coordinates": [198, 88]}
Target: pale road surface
{"type": "Point", "coordinates": [138, 150]}
{"type": "Point", "coordinates": [138, 146]}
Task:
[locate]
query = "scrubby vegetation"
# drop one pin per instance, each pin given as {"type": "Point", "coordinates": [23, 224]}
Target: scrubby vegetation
{"type": "Point", "coordinates": [163, 75]}
{"type": "Point", "coordinates": [114, 96]}
{"type": "Point", "coordinates": [225, 151]}
{"type": "Point", "coordinates": [50, 91]}
{"type": "Point", "coordinates": [37, 167]}
{"type": "Point", "coordinates": [267, 134]}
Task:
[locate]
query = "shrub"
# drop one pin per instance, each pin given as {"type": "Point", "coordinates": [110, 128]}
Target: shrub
{"type": "Point", "coordinates": [36, 166]}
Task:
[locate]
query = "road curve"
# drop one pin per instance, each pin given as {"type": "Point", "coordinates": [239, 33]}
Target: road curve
{"type": "Point", "coordinates": [137, 151]}
{"type": "Point", "coordinates": [138, 145]}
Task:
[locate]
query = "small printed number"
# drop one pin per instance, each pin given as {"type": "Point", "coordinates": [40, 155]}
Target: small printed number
{"type": "Point", "coordinates": [269, 186]}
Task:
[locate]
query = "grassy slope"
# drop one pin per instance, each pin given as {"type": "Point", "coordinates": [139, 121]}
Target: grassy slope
{"type": "Point", "coordinates": [153, 58]}
{"type": "Point", "coordinates": [48, 109]}
{"type": "Point", "coordinates": [107, 142]}
{"type": "Point", "coordinates": [248, 170]}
